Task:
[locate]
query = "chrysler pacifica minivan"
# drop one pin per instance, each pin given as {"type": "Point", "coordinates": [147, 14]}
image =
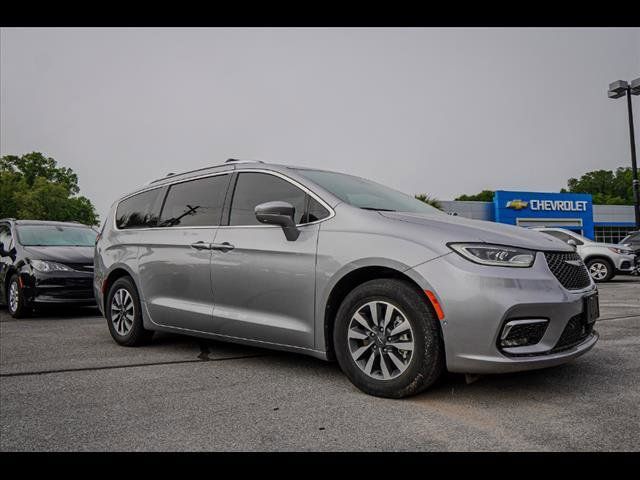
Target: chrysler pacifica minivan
{"type": "Point", "coordinates": [45, 263]}
{"type": "Point", "coordinates": [339, 267]}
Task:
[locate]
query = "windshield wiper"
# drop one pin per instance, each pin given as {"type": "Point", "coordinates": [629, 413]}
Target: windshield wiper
{"type": "Point", "coordinates": [378, 209]}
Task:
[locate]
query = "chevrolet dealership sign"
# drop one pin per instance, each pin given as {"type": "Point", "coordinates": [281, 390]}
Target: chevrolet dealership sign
{"type": "Point", "coordinates": [517, 208]}
{"type": "Point", "coordinates": [549, 205]}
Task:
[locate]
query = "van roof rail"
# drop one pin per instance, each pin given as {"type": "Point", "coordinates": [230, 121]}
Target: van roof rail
{"type": "Point", "coordinates": [181, 173]}
{"type": "Point", "coordinates": [235, 160]}
{"type": "Point", "coordinates": [231, 160]}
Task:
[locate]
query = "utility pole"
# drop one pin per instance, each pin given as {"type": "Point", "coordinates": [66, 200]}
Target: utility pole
{"type": "Point", "coordinates": [619, 89]}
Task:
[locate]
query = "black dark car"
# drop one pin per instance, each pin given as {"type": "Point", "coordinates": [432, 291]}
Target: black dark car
{"type": "Point", "coordinates": [45, 262]}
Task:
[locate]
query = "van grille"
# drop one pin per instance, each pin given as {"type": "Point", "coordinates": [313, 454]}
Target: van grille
{"type": "Point", "coordinates": [572, 277]}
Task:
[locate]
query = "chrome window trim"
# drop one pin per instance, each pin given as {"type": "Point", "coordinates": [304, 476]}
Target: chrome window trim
{"type": "Point", "coordinates": [295, 183]}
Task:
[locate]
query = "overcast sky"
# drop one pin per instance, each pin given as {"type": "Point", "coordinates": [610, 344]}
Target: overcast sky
{"type": "Point", "coordinates": [443, 111]}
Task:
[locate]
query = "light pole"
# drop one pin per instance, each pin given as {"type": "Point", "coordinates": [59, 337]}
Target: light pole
{"type": "Point", "coordinates": [618, 89]}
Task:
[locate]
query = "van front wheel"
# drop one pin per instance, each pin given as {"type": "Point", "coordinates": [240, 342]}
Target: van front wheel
{"type": "Point", "coordinates": [387, 339]}
{"type": "Point", "coordinates": [19, 306]}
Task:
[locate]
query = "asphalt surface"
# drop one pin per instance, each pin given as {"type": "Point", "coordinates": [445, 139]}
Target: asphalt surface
{"type": "Point", "coordinates": [65, 385]}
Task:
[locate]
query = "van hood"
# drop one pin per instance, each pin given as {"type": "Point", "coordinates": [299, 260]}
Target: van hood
{"type": "Point", "coordinates": [82, 255]}
{"type": "Point", "coordinates": [459, 229]}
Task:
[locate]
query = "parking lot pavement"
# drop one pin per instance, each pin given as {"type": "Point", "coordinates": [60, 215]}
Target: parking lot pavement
{"type": "Point", "coordinates": [64, 385]}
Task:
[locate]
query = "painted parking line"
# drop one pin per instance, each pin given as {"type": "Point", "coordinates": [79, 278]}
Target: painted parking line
{"type": "Point", "coordinates": [132, 365]}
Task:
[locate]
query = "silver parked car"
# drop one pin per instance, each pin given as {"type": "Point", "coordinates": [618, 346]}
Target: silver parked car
{"type": "Point", "coordinates": [339, 267]}
{"type": "Point", "coordinates": [603, 260]}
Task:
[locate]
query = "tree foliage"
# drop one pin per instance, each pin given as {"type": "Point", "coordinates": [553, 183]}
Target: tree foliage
{"type": "Point", "coordinates": [483, 196]}
{"type": "Point", "coordinates": [429, 200]}
{"type": "Point", "coordinates": [606, 186]}
{"type": "Point", "coordinates": [33, 187]}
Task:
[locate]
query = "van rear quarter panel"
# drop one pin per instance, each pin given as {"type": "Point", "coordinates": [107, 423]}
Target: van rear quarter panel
{"type": "Point", "coordinates": [117, 249]}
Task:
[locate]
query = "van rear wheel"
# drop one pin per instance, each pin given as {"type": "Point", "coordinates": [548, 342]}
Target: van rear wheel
{"type": "Point", "coordinates": [124, 314]}
{"type": "Point", "coordinates": [387, 339]}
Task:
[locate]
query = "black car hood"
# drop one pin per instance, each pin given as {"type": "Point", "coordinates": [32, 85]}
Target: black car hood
{"type": "Point", "coordinates": [82, 255]}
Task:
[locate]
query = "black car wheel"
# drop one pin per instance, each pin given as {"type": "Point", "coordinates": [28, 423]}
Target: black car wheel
{"type": "Point", "coordinates": [18, 305]}
{"type": "Point", "coordinates": [124, 314]}
{"type": "Point", "coordinates": [387, 339]}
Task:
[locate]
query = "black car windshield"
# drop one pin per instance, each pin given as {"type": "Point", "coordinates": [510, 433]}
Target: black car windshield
{"type": "Point", "coordinates": [366, 194]}
{"type": "Point", "coordinates": [56, 236]}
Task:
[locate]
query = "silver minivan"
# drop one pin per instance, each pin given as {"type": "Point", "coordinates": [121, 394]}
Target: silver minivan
{"type": "Point", "coordinates": [339, 267]}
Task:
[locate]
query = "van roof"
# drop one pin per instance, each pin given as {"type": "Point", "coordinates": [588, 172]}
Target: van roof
{"type": "Point", "coordinates": [228, 166]}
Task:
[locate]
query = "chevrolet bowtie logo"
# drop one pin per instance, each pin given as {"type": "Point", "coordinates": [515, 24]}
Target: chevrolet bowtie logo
{"type": "Point", "coordinates": [517, 204]}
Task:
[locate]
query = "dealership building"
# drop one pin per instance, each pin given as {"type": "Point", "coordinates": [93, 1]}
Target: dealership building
{"type": "Point", "coordinates": [573, 211]}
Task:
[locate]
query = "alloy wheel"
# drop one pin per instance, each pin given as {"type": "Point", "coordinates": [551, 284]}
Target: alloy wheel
{"type": "Point", "coordinates": [598, 270]}
{"type": "Point", "coordinates": [381, 340]}
{"type": "Point", "coordinates": [14, 296]}
{"type": "Point", "coordinates": [122, 311]}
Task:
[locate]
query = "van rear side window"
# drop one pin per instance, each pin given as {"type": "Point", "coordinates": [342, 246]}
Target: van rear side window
{"type": "Point", "coordinates": [195, 203]}
{"type": "Point", "coordinates": [138, 211]}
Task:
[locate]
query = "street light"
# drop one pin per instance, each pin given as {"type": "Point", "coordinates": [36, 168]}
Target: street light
{"type": "Point", "coordinates": [618, 89]}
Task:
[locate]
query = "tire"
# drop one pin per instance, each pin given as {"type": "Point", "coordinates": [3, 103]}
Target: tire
{"type": "Point", "coordinates": [600, 268]}
{"type": "Point", "coordinates": [126, 330]}
{"type": "Point", "coordinates": [17, 304]}
{"type": "Point", "coordinates": [423, 365]}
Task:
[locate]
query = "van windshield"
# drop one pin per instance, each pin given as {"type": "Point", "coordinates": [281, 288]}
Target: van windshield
{"type": "Point", "coordinates": [366, 194]}
{"type": "Point", "coordinates": [55, 236]}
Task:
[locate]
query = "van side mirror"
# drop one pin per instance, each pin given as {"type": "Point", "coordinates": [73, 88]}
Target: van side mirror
{"type": "Point", "coordinates": [279, 213]}
{"type": "Point", "coordinates": [573, 243]}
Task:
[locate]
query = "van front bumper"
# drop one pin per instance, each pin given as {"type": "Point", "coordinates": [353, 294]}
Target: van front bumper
{"type": "Point", "coordinates": [478, 301]}
{"type": "Point", "coordinates": [58, 287]}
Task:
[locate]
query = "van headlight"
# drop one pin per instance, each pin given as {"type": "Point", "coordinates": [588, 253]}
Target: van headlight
{"type": "Point", "coordinates": [46, 267]}
{"type": "Point", "coordinates": [495, 255]}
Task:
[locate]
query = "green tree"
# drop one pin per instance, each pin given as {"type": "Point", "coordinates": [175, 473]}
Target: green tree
{"type": "Point", "coordinates": [606, 186]}
{"type": "Point", "coordinates": [33, 186]}
{"type": "Point", "coordinates": [483, 196]}
{"type": "Point", "coordinates": [429, 200]}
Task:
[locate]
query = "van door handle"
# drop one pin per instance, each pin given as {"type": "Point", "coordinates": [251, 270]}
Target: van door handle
{"type": "Point", "coordinates": [224, 247]}
{"type": "Point", "coordinates": [201, 245]}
